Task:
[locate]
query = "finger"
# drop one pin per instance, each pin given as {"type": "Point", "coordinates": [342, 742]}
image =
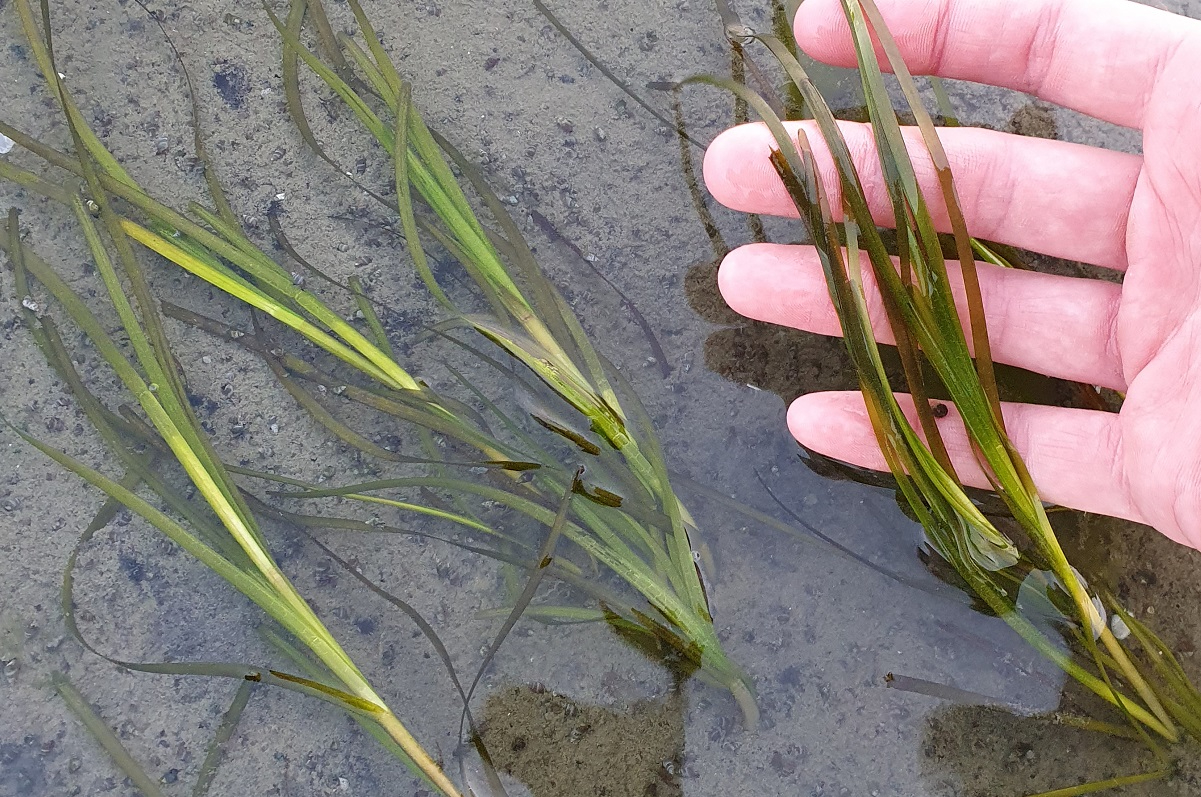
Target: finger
{"type": "Point", "coordinates": [1058, 326]}
{"type": "Point", "coordinates": [1100, 57]}
{"type": "Point", "coordinates": [1074, 456]}
{"type": "Point", "coordinates": [1061, 199]}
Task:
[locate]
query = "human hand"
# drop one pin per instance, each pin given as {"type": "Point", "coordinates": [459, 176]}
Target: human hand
{"type": "Point", "coordinates": [1113, 60]}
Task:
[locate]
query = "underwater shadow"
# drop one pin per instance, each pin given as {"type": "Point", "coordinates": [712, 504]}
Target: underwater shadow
{"type": "Point", "coordinates": [559, 746]}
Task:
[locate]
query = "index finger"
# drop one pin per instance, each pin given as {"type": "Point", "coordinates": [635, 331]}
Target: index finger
{"type": "Point", "coordinates": [1103, 58]}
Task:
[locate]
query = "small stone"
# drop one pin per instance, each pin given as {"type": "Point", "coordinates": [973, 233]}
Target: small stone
{"type": "Point", "coordinates": [6, 144]}
{"type": "Point", "coordinates": [600, 134]}
{"type": "Point", "coordinates": [29, 304]}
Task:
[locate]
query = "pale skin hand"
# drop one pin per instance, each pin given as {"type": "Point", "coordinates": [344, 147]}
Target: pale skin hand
{"type": "Point", "coordinates": [1113, 60]}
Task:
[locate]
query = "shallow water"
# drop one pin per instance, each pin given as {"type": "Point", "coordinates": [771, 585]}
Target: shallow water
{"type": "Point", "coordinates": [568, 709]}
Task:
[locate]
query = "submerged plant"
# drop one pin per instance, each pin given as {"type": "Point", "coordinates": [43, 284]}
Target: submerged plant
{"type": "Point", "coordinates": [234, 547]}
{"type": "Point", "coordinates": [1033, 587]}
{"type": "Point", "coordinates": [634, 526]}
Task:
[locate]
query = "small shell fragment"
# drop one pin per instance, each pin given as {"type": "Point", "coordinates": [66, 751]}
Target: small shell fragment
{"type": "Point", "coordinates": [1119, 627]}
{"type": "Point", "coordinates": [6, 144]}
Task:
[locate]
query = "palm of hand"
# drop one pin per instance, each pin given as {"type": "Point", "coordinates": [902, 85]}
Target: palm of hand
{"type": "Point", "coordinates": [1158, 325]}
{"type": "Point", "coordinates": [1111, 59]}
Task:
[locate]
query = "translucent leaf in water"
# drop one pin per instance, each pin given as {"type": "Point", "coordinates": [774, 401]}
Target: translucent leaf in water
{"type": "Point", "coordinates": [1042, 594]}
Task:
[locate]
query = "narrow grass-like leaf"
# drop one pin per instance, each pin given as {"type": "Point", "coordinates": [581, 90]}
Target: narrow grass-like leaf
{"type": "Point", "coordinates": [373, 729]}
{"type": "Point", "coordinates": [648, 332]}
{"type": "Point", "coordinates": [545, 558]}
{"type": "Point", "coordinates": [644, 540]}
{"type": "Point", "coordinates": [369, 315]}
{"type": "Point", "coordinates": [604, 70]}
{"type": "Point", "coordinates": [404, 198]}
{"type": "Point", "coordinates": [225, 732]}
{"type": "Point", "coordinates": [918, 303]}
{"type": "Point", "coordinates": [104, 735]}
{"type": "Point", "coordinates": [1106, 785]}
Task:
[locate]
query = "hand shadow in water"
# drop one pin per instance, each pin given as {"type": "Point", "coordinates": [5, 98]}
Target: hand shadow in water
{"type": "Point", "coordinates": [980, 751]}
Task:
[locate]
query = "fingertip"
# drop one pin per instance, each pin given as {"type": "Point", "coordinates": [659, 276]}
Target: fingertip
{"type": "Point", "coordinates": [757, 280]}
{"type": "Point", "coordinates": [837, 425]}
{"type": "Point", "coordinates": [715, 167]}
{"type": "Point", "coordinates": [822, 31]}
{"type": "Point", "coordinates": [737, 171]}
{"type": "Point", "coordinates": [732, 280]}
{"type": "Point", "coordinates": [802, 413]}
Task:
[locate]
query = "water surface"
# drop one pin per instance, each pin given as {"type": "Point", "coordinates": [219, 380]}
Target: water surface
{"type": "Point", "coordinates": [569, 709]}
